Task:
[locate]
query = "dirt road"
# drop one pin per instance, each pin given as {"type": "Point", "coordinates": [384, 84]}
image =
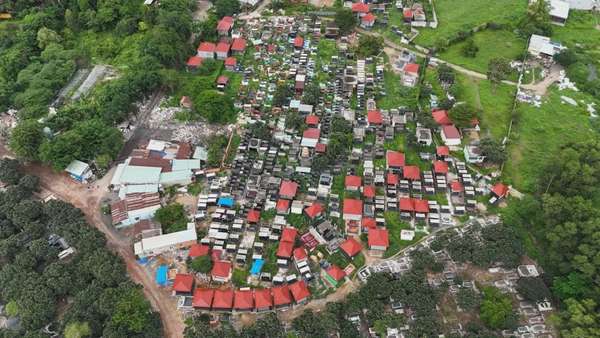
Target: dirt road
{"type": "Point", "coordinates": [89, 200]}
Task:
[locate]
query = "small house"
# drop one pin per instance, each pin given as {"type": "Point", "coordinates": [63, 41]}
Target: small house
{"type": "Point", "coordinates": [224, 26]}
{"type": "Point", "coordinates": [300, 292]}
{"type": "Point", "coordinates": [222, 50]}
{"type": "Point", "coordinates": [367, 21]}
{"type": "Point", "coordinates": [221, 271]}
{"type": "Point", "coordinates": [450, 135]}
{"type": "Point", "coordinates": [238, 46]}
{"type": "Point", "coordinates": [378, 242]}
{"type": "Point", "coordinates": [230, 63]}
{"type": "Point", "coordinates": [80, 171]}
{"type": "Point", "coordinates": [206, 50]}
{"type": "Point", "coordinates": [193, 63]}
{"type": "Point", "coordinates": [334, 275]}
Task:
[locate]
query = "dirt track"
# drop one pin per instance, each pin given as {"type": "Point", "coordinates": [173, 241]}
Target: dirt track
{"type": "Point", "coordinates": [89, 201]}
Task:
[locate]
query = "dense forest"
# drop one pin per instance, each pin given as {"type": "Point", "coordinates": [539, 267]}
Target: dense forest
{"type": "Point", "coordinates": [561, 229]}
{"type": "Point", "coordinates": [47, 41]}
{"type": "Point", "coordinates": [86, 294]}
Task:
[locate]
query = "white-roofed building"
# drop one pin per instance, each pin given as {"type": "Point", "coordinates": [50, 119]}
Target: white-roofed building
{"type": "Point", "coordinates": [80, 171]}
{"type": "Point", "coordinates": [559, 11]}
{"type": "Point", "coordinates": [584, 5]}
{"type": "Point", "coordinates": [181, 177]}
{"type": "Point", "coordinates": [542, 46]}
{"type": "Point", "coordinates": [130, 175]}
{"type": "Point", "coordinates": [188, 164]}
{"type": "Point", "coordinates": [156, 245]}
{"type": "Point", "coordinates": [156, 145]}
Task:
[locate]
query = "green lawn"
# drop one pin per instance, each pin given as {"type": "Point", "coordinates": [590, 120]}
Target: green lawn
{"type": "Point", "coordinates": [491, 43]}
{"type": "Point", "coordinates": [454, 16]}
{"type": "Point", "coordinates": [396, 94]}
{"type": "Point", "coordinates": [495, 103]}
{"type": "Point", "coordinates": [581, 30]}
{"type": "Point", "coordinates": [394, 225]}
{"type": "Point", "coordinates": [540, 132]}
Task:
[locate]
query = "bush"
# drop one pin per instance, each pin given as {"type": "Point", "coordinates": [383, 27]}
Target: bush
{"type": "Point", "coordinates": [172, 217]}
{"type": "Point", "coordinates": [202, 264]}
{"type": "Point", "coordinates": [239, 277]}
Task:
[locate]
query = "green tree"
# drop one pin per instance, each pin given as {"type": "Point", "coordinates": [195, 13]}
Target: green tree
{"type": "Point", "coordinates": [202, 264]}
{"type": "Point", "coordinates": [369, 45]}
{"type": "Point", "coordinates": [226, 7]}
{"type": "Point", "coordinates": [78, 330]}
{"type": "Point", "coordinates": [470, 49]}
{"type": "Point", "coordinates": [293, 120]}
{"type": "Point", "coordinates": [282, 94]}
{"type": "Point", "coordinates": [26, 139]}
{"type": "Point", "coordinates": [47, 36]}
{"type": "Point", "coordinates": [133, 313]}
{"type": "Point", "coordinates": [463, 115]}
{"type": "Point", "coordinates": [172, 217]}
{"type": "Point", "coordinates": [345, 20]}
{"type": "Point", "coordinates": [214, 106]}
{"type": "Point", "coordinates": [533, 289]}
{"type": "Point", "coordinates": [467, 299]}
{"type": "Point", "coordinates": [445, 73]}
{"type": "Point", "coordinates": [311, 94]}
{"type": "Point", "coordinates": [498, 70]}
{"type": "Point", "coordinates": [9, 171]}
{"type": "Point", "coordinates": [496, 310]}
{"type": "Point", "coordinates": [537, 20]}
{"type": "Point", "coordinates": [580, 319]}
{"type": "Point", "coordinates": [566, 57]}
{"type": "Point", "coordinates": [493, 151]}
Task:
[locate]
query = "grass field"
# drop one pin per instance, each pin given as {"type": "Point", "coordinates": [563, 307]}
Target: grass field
{"type": "Point", "coordinates": [491, 43]}
{"type": "Point", "coordinates": [394, 226]}
{"type": "Point", "coordinates": [396, 94]}
{"type": "Point", "coordinates": [582, 29]}
{"type": "Point", "coordinates": [454, 16]}
{"type": "Point", "coordinates": [540, 132]}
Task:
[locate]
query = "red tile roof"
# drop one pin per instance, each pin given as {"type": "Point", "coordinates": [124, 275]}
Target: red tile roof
{"type": "Point", "coordinates": [281, 295]}
{"type": "Point", "coordinates": [321, 148]}
{"type": "Point", "coordinates": [222, 80]}
{"type": "Point", "coordinates": [299, 291]}
{"type": "Point", "coordinates": [225, 24]}
{"type": "Point", "coordinates": [314, 210]}
{"type": "Point", "coordinates": [203, 298]}
{"type": "Point", "coordinates": [500, 189]}
{"type": "Point", "coordinates": [353, 206]}
{"type": "Point", "coordinates": [289, 235]}
{"type": "Point", "coordinates": [394, 159]}
{"type": "Point", "coordinates": [392, 179]}
{"type": "Point", "coordinates": [335, 272]}
{"type": "Point", "coordinates": [298, 42]}
{"type": "Point", "coordinates": [441, 117]}
{"type": "Point", "coordinates": [253, 216]}
{"type": "Point", "coordinates": [421, 206]}
{"type": "Point", "coordinates": [183, 282]}
{"type": "Point", "coordinates": [408, 14]}
{"type": "Point", "coordinates": [222, 47]}
{"type": "Point", "coordinates": [263, 298]}
{"type": "Point", "coordinates": [221, 269]}
{"type": "Point", "coordinates": [374, 117]}
{"type": "Point", "coordinates": [282, 205]}
{"type": "Point", "coordinates": [406, 204]}
{"type": "Point", "coordinates": [369, 18]}
{"type": "Point", "coordinates": [440, 167]}
{"type": "Point", "coordinates": [368, 222]}
{"type": "Point", "coordinates": [285, 249]}
{"type": "Point", "coordinates": [194, 61]}
{"type": "Point", "coordinates": [351, 247]}
{"type": "Point", "coordinates": [369, 191]}
{"type": "Point", "coordinates": [353, 181]}
{"type": "Point", "coordinates": [223, 299]}
{"type": "Point", "coordinates": [411, 172]}
{"type": "Point", "coordinates": [231, 61]}
{"type": "Point", "coordinates": [288, 188]}
{"type": "Point", "coordinates": [451, 132]}
{"type": "Point", "coordinates": [300, 254]}
{"type": "Point", "coordinates": [206, 47]}
{"type": "Point", "coordinates": [164, 164]}
{"type": "Point", "coordinates": [412, 68]}
{"type": "Point", "coordinates": [197, 250]}
{"type": "Point", "coordinates": [312, 133]}
{"type": "Point", "coordinates": [312, 120]}
{"type": "Point", "coordinates": [442, 151]}
{"type": "Point", "coordinates": [456, 186]}
{"type": "Point", "coordinates": [238, 45]}
{"type": "Point", "coordinates": [360, 7]}
{"type": "Point", "coordinates": [243, 300]}
{"type": "Point", "coordinates": [378, 237]}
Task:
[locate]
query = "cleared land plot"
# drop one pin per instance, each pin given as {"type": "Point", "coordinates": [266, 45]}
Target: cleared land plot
{"type": "Point", "coordinates": [454, 16]}
{"type": "Point", "coordinates": [540, 132]}
{"type": "Point", "coordinates": [397, 95]}
{"type": "Point", "coordinates": [495, 104]}
{"type": "Point", "coordinates": [491, 43]}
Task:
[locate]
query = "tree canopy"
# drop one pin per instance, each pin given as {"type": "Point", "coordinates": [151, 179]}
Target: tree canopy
{"type": "Point", "coordinates": [214, 106]}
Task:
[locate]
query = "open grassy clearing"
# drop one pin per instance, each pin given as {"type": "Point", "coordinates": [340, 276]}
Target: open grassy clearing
{"type": "Point", "coordinates": [491, 43]}
{"type": "Point", "coordinates": [397, 95]}
{"type": "Point", "coordinates": [454, 16]}
{"type": "Point", "coordinates": [582, 29]}
{"type": "Point", "coordinates": [540, 132]}
{"type": "Point", "coordinates": [495, 103]}
{"type": "Point", "coordinates": [395, 226]}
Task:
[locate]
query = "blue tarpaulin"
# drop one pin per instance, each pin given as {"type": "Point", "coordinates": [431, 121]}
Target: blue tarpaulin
{"type": "Point", "coordinates": [257, 266]}
{"type": "Point", "coordinates": [225, 202]}
{"type": "Point", "coordinates": [161, 275]}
